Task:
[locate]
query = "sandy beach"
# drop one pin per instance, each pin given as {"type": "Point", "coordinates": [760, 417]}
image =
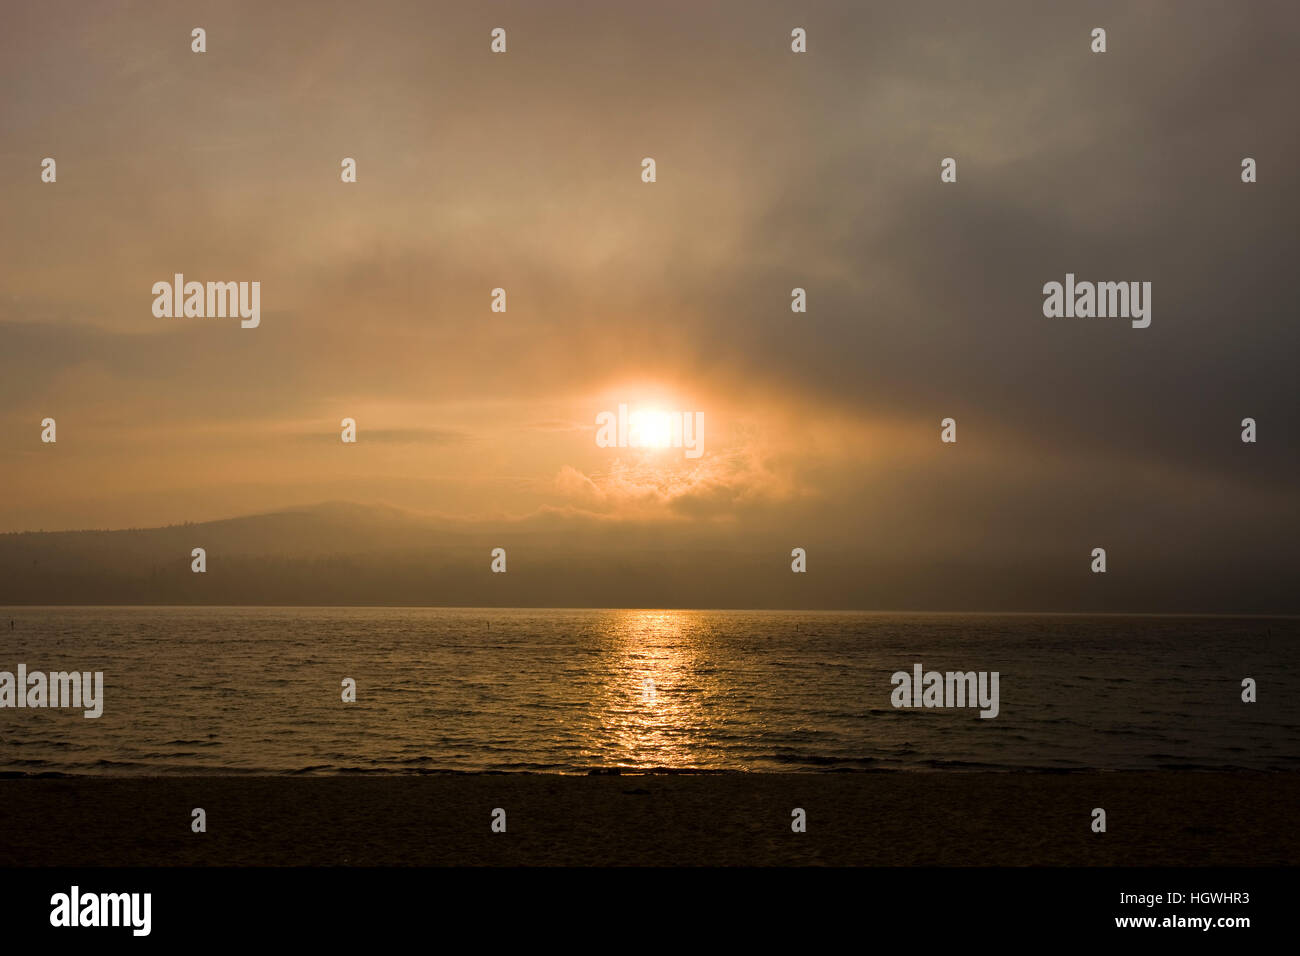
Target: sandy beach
{"type": "Point", "coordinates": [865, 819]}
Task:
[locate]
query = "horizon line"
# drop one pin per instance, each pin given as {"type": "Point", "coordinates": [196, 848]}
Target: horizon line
{"type": "Point", "coordinates": [756, 610]}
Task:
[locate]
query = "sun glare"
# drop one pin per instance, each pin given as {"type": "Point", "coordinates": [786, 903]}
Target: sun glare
{"type": "Point", "coordinates": [654, 428]}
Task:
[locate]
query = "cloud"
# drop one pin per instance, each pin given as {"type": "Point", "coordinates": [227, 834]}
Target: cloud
{"type": "Point", "coordinates": [719, 486]}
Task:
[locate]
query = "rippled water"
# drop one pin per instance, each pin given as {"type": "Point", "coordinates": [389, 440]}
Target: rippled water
{"type": "Point", "coordinates": [204, 690]}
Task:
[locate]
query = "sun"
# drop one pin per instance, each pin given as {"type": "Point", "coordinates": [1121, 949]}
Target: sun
{"type": "Point", "coordinates": [652, 428]}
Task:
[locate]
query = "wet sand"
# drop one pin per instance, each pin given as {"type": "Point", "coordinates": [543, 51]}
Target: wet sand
{"type": "Point", "coordinates": [869, 819]}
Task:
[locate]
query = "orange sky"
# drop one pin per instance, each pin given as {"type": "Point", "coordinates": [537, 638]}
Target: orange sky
{"type": "Point", "coordinates": [522, 171]}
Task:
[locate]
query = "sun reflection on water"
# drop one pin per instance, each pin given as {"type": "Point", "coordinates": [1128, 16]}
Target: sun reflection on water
{"type": "Point", "coordinates": [660, 724]}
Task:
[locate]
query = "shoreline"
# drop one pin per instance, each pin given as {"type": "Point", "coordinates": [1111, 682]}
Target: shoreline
{"type": "Point", "coordinates": [364, 772]}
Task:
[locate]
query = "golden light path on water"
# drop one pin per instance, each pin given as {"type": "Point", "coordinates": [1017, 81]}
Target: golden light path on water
{"type": "Point", "coordinates": [656, 702]}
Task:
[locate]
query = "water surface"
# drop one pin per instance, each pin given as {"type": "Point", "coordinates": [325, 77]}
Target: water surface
{"type": "Point", "coordinates": [257, 690]}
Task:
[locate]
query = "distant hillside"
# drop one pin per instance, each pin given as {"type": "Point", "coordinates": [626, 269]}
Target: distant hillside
{"type": "Point", "coordinates": [347, 554]}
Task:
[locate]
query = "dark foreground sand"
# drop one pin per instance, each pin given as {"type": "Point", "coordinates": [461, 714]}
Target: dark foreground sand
{"type": "Point", "coordinates": [884, 819]}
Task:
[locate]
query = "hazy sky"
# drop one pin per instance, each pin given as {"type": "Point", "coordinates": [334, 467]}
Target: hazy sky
{"type": "Point", "coordinates": [775, 170]}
